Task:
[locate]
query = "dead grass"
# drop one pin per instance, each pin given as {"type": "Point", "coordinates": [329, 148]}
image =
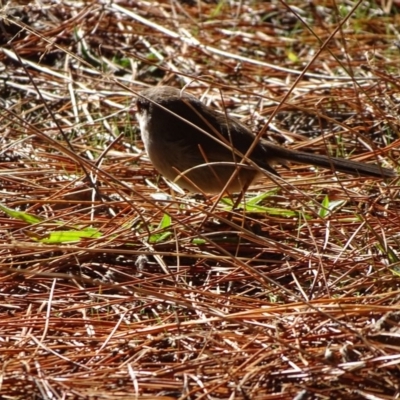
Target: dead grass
{"type": "Point", "coordinates": [110, 293]}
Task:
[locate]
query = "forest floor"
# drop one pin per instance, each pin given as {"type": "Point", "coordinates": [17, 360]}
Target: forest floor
{"type": "Point", "coordinates": [116, 286]}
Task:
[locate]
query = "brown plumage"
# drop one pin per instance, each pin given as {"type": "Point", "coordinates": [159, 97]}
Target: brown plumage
{"type": "Point", "coordinates": [175, 146]}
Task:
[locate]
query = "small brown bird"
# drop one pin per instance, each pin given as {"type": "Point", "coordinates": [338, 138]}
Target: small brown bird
{"type": "Point", "coordinates": [200, 148]}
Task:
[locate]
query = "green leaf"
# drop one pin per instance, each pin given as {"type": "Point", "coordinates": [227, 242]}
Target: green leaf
{"type": "Point", "coordinates": [66, 236]}
{"type": "Point", "coordinates": [261, 197]}
{"type": "Point", "coordinates": [218, 9]}
{"type": "Point", "coordinates": [292, 57]}
{"type": "Point", "coordinates": [23, 216]}
{"type": "Point", "coordinates": [198, 241]}
{"type": "Point", "coordinates": [164, 224]}
{"type": "Point", "coordinates": [328, 206]}
{"type": "Point", "coordinates": [251, 205]}
{"type": "Point", "coordinates": [52, 237]}
{"type": "Point", "coordinates": [324, 210]}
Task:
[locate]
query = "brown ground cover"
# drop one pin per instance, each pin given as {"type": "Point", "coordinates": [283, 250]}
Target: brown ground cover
{"type": "Point", "coordinates": [114, 287]}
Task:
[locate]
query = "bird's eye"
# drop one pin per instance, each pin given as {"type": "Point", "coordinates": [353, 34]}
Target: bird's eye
{"type": "Point", "coordinates": [142, 105]}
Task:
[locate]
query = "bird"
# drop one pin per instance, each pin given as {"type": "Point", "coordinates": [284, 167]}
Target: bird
{"type": "Point", "coordinates": [200, 149]}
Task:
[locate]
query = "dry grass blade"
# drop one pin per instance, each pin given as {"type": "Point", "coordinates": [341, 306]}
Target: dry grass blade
{"type": "Point", "coordinates": [112, 288]}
